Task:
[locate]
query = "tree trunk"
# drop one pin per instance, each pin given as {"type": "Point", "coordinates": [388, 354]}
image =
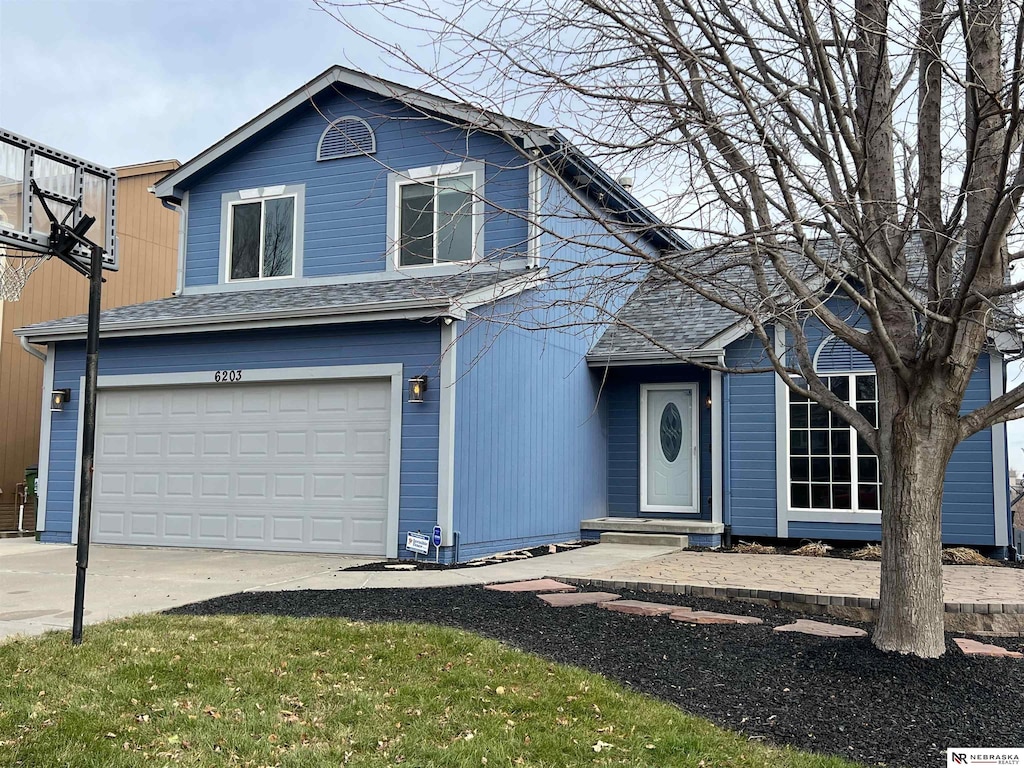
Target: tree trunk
{"type": "Point", "coordinates": [913, 459]}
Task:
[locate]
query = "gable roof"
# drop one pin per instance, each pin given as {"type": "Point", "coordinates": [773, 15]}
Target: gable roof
{"type": "Point", "coordinates": [422, 297]}
{"type": "Point", "coordinates": [561, 156]}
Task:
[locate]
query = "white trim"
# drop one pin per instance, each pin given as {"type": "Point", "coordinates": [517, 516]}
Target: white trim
{"type": "Point", "coordinates": [694, 390]}
{"type": "Point", "coordinates": [1000, 481]}
{"type": "Point", "coordinates": [447, 380]}
{"type": "Point", "coordinates": [598, 360]}
{"type": "Point", "coordinates": [717, 457]}
{"type": "Point", "coordinates": [433, 175]}
{"type": "Point", "coordinates": [533, 230]}
{"type": "Point", "coordinates": [781, 438]}
{"type": "Point", "coordinates": [262, 200]}
{"type": "Point", "coordinates": [44, 439]}
{"type": "Point", "coordinates": [78, 460]}
{"type": "Point", "coordinates": [392, 371]}
{"type": "Point", "coordinates": [502, 290]}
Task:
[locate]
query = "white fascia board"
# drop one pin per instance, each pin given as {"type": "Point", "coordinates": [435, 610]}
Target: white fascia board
{"type": "Point", "coordinates": [687, 357]}
{"type": "Point", "coordinates": [43, 466]}
{"type": "Point", "coordinates": [417, 310]}
{"type": "Point", "coordinates": [498, 291]}
{"type": "Point", "coordinates": [169, 186]}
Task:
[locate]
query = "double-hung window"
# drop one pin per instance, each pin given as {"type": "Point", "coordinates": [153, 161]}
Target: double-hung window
{"type": "Point", "coordinates": [261, 239]}
{"type": "Point", "coordinates": [830, 466]}
{"type": "Point", "coordinates": [437, 220]}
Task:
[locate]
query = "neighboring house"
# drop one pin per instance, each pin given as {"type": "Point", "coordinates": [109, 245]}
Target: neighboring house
{"type": "Point", "coordinates": [148, 238]}
{"type": "Point", "coordinates": [340, 364]}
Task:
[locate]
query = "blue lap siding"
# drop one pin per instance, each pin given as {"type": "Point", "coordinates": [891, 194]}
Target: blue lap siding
{"type": "Point", "coordinates": [415, 345]}
{"type": "Point", "coordinates": [622, 395]}
{"type": "Point", "coordinates": [346, 208]}
{"type": "Point", "coordinates": [968, 515]}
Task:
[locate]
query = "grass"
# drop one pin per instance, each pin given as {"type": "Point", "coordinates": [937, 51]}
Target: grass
{"type": "Point", "coordinates": [965, 556]}
{"type": "Point", "coordinates": [813, 549]}
{"type": "Point", "coordinates": [754, 548]}
{"type": "Point", "coordinates": [868, 552]}
{"type": "Point", "coordinates": [297, 693]}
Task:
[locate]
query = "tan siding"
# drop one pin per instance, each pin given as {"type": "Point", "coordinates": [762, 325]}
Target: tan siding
{"type": "Point", "coordinates": [148, 243]}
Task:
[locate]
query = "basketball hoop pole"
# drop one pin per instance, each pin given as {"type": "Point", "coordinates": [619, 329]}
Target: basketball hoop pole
{"type": "Point", "coordinates": [92, 346]}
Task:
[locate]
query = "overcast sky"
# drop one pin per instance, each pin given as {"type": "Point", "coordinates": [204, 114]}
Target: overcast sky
{"type": "Point", "coordinates": [126, 81]}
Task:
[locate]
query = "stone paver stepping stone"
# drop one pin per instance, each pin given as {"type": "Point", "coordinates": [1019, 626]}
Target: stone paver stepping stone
{"type": "Point", "coordinates": [974, 648]}
{"type": "Point", "coordinates": [534, 585]}
{"type": "Point", "coordinates": [578, 598]}
{"type": "Point", "coordinates": [710, 617]}
{"type": "Point", "coordinates": [821, 629]}
{"type": "Point", "coordinates": [640, 607]}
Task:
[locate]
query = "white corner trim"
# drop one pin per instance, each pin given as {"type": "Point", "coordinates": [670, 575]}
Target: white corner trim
{"type": "Point", "coordinates": [392, 371]}
{"type": "Point", "coordinates": [1000, 481]}
{"type": "Point", "coordinates": [446, 433]}
{"type": "Point", "coordinates": [717, 457]}
{"type": "Point", "coordinates": [694, 390]}
{"type": "Point", "coordinates": [781, 439]}
{"type": "Point", "coordinates": [533, 230]}
{"type": "Point", "coordinates": [44, 438]}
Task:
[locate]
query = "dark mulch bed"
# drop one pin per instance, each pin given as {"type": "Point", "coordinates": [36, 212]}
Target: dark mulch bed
{"type": "Point", "coordinates": [832, 696]}
{"type": "Point", "coordinates": [427, 564]}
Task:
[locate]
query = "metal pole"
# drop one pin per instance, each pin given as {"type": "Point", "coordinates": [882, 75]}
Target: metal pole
{"type": "Point", "coordinates": [92, 351]}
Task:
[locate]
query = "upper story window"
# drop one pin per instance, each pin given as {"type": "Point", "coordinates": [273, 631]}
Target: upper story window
{"type": "Point", "coordinates": [830, 466]}
{"type": "Point", "coordinates": [262, 233]}
{"type": "Point", "coordinates": [348, 136]}
{"type": "Point", "coordinates": [437, 216]}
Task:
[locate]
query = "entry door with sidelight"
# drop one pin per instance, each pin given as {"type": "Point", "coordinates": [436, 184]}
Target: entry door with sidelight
{"type": "Point", "coordinates": [668, 448]}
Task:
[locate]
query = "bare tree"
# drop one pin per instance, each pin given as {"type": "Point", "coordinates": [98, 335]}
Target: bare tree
{"type": "Point", "coordinates": [811, 150]}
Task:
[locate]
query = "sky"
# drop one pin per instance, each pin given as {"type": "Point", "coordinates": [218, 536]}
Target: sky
{"type": "Point", "coordinates": [128, 81]}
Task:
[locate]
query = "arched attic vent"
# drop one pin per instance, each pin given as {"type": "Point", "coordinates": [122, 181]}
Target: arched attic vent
{"type": "Point", "coordinates": [348, 136]}
{"type": "Point", "coordinates": [836, 356]}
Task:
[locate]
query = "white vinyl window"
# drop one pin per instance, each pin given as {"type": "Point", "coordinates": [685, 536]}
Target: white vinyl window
{"type": "Point", "coordinates": [437, 220]}
{"type": "Point", "coordinates": [261, 237]}
{"type": "Point", "coordinates": [830, 467]}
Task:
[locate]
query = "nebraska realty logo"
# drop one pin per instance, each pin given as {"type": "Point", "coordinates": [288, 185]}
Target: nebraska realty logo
{"type": "Point", "coordinates": [956, 756]}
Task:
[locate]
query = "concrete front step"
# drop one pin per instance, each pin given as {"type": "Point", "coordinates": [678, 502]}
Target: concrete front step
{"type": "Point", "coordinates": [651, 525]}
{"type": "Point", "coordinates": [648, 539]}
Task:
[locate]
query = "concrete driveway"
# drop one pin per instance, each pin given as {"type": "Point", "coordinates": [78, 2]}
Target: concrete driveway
{"type": "Point", "coordinates": [37, 581]}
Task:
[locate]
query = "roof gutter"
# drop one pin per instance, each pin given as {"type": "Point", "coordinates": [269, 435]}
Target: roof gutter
{"type": "Point", "coordinates": [27, 346]}
{"type": "Point", "coordinates": [367, 311]}
{"type": "Point", "coordinates": [707, 356]}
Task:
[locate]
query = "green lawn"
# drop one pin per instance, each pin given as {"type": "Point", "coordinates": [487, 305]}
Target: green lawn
{"type": "Point", "coordinates": [245, 691]}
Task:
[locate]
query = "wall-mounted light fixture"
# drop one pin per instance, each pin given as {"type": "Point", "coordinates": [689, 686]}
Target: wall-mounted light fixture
{"type": "Point", "coordinates": [417, 386]}
{"type": "Point", "coordinates": [58, 398]}
{"type": "Point", "coordinates": [707, 401]}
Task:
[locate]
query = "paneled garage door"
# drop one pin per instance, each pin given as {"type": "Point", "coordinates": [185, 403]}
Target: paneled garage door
{"type": "Point", "coordinates": [298, 467]}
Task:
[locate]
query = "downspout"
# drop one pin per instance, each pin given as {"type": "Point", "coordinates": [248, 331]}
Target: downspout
{"type": "Point", "coordinates": [182, 211]}
{"type": "Point", "coordinates": [27, 346]}
{"type": "Point", "coordinates": [1012, 545]}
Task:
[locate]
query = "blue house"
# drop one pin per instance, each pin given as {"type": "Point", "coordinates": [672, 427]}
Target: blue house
{"type": "Point", "coordinates": [372, 334]}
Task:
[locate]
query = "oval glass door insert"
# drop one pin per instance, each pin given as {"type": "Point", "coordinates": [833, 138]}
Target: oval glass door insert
{"type": "Point", "coordinates": [671, 432]}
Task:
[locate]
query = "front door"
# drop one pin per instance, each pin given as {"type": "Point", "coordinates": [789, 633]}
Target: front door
{"type": "Point", "coordinates": [668, 448]}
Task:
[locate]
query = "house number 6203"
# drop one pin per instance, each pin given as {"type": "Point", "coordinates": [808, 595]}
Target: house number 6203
{"type": "Point", "coordinates": [223, 377]}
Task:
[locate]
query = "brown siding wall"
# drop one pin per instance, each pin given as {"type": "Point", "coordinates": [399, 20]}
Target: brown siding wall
{"type": "Point", "coordinates": [148, 242]}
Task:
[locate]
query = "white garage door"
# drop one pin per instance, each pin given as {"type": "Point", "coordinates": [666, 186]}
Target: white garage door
{"type": "Point", "coordinates": [298, 467]}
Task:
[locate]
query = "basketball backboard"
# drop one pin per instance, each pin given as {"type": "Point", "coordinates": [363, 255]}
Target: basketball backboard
{"type": "Point", "coordinates": [65, 180]}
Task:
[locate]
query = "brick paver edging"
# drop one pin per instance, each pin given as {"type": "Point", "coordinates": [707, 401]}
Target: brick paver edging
{"type": "Point", "coordinates": [735, 593]}
{"type": "Point", "coordinates": [981, 618]}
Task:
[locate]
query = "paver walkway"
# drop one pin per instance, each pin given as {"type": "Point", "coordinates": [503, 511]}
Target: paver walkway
{"type": "Point", "coordinates": [807, 575]}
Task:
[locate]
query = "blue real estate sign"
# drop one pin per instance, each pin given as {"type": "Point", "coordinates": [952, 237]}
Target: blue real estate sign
{"type": "Point", "coordinates": [436, 538]}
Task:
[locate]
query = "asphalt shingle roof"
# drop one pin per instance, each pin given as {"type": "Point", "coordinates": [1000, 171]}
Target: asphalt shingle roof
{"type": "Point", "coordinates": [306, 300]}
